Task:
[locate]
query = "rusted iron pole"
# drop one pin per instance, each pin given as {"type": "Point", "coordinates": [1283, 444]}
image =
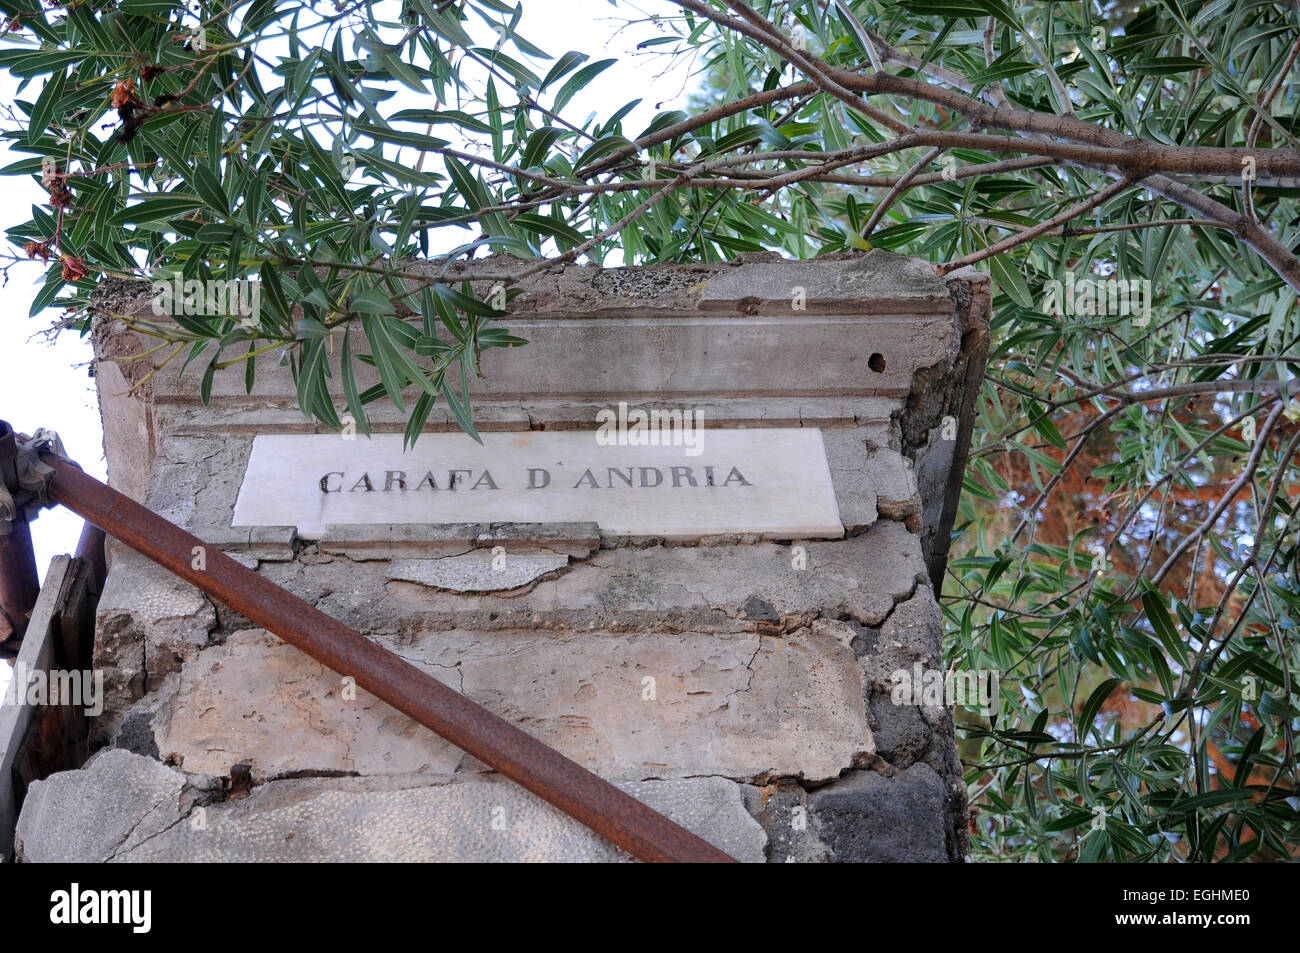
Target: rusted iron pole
{"type": "Point", "coordinates": [573, 789]}
{"type": "Point", "coordinates": [19, 584]}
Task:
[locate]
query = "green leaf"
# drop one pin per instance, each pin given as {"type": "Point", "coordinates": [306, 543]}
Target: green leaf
{"type": "Point", "coordinates": [1167, 65]}
{"type": "Point", "coordinates": [578, 81]}
{"type": "Point", "coordinates": [539, 144]}
{"type": "Point", "coordinates": [46, 103]}
{"type": "Point", "coordinates": [392, 338]}
{"type": "Point", "coordinates": [404, 73]}
{"type": "Point", "coordinates": [544, 225]}
{"type": "Point", "coordinates": [381, 351]}
{"type": "Point", "coordinates": [467, 185]}
{"type": "Point", "coordinates": [1010, 282]}
{"type": "Point", "coordinates": [371, 301]}
{"type": "Point", "coordinates": [462, 301]}
{"type": "Point", "coordinates": [156, 209]}
{"type": "Point", "coordinates": [205, 385]}
{"type": "Point", "coordinates": [1210, 799]}
{"type": "Point", "coordinates": [455, 117]}
{"type": "Point", "coordinates": [521, 73]}
{"type": "Point", "coordinates": [444, 23]}
{"type": "Point", "coordinates": [208, 186]}
{"type": "Point", "coordinates": [562, 66]}
{"type": "Point", "coordinates": [499, 337]}
{"type": "Point", "coordinates": [1163, 674]}
{"type": "Point", "coordinates": [496, 123]}
{"type": "Point", "coordinates": [1242, 774]}
{"type": "Point", "coordinates": [258, 15]}
{"type": "Point", "coordinates": [1093, 705]}
{"type": "Point", "coordinates": [144, 8]}
{"type": "Point", "coordinates": [348, 375]}
{"type": "Point", "coordinates": [1163, 626]}
{"type": "Point", "coordinates": [49, 291]}
{"type": "Point", "coordinates": [461, 411]}
{"type": "Point", "coordinates": [1045, 427]}
{"type": "Point", "coordinates": [419, 416]}
{"type": "Point", "coordinates": [601, 148]}
{"type": "Point", "coordinates": [400, 137]}
{"type": "Point", "coordinates": [946, 8]}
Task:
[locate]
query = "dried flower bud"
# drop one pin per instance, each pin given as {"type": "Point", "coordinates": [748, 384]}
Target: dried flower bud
{"type": "Point", "coordinates": [73, 268]}
{"type": "Point", "coordinates": [123, 95]}
{"type": "Point", "coordinates": [38, 250]}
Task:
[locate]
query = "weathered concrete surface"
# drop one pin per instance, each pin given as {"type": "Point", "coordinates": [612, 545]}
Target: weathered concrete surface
{"type": "Point", "coordinates": [148, 623]}
{"type": "Point", "coordinates": [256, 700]}
{"type": "Point", "coordinates": [908, 735]}
{"type": "Point", "coordinates": [739, 706]}
{"type": "Point", "coordinates": [869, 283]}
{"type": "Point", "coordinates": [128, 436]}
{"type": "Point", "coordinates": [194, 475]}
{"type": "Point", "coordinates": [126, 808]}
{"type": "Point", "coordinates": [278, 413]}
{"type": "Point", "coordinates": [117, 801]}
{"type": "Point", "coordinates": [477, 571]}
{"type": "Point", "coordinates": [421, 541]}
{"type": "Point", "coordinates": [576, 321]}
{"type": "Point", "coordinates": [939, 416]}
{"type": "Point", "coordinates": [465, 821]}
{"type": "Point", "coordinates": [670, 588]}
{"type": "Point", "coordinates": [872, 480]}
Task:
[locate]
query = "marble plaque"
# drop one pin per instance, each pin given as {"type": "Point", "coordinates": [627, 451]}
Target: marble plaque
{"type": "Point", "coordinates": [771, 482]}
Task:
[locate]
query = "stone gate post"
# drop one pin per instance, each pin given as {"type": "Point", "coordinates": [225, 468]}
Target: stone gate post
{"type": "Point", "coordinates": [694, 552]}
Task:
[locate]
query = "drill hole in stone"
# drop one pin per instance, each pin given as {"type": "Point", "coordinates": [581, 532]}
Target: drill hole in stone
{"type": "Point", "coordinates": [876, 362]}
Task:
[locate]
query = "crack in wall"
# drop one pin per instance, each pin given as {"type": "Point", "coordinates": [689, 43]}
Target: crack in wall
{"type": "Point", "coordinates": [138, 821]}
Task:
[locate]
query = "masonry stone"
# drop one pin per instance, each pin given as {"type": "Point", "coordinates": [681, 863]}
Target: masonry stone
{"type": "Point", "coordinates": [115, 802]}
{"type": "Point", "coordinates": [869, 817]}
{"type": "Point", "coordinates": [124, 808]}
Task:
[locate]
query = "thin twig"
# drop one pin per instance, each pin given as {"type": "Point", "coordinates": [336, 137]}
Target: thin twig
{"type": "Point", "coordinates": [1043, 227]}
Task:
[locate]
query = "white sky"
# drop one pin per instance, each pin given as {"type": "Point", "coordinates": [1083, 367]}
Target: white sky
{"type": "Point", "coordinates": [47, 385]}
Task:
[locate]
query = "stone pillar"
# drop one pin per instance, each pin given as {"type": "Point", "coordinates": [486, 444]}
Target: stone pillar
{"type": "Point", "coordinates": [722, 648]}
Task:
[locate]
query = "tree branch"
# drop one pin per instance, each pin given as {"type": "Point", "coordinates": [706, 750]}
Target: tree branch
{"type": "Point", "coordinates": [1042, 228]}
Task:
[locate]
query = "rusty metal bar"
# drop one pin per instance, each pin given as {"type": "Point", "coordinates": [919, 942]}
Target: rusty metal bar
{"type": "Point", "coordinates": [19, 583]}
{"type": "Point", "coordinates": [573, 789]}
